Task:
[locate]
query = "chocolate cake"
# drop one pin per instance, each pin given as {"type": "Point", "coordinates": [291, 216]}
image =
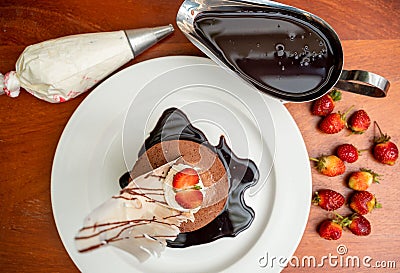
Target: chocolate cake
{"type": "Point", "coordinates": [209, 166]}
{"type": "Point", "coordinates": [174, 136]}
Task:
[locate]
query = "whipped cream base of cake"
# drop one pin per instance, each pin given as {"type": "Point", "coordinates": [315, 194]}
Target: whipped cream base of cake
{"type": "Point", "coordinates": [143, 216]}
{"type": "Point", "coordinates": [138, 220]}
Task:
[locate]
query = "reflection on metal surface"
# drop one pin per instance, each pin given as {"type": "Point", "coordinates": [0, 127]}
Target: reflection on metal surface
{"type": "Point", "coordinates": [243, 37]}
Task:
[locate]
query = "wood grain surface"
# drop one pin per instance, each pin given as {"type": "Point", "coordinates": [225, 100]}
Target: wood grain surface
{"type": "Point", "coordinates": [30, 128]}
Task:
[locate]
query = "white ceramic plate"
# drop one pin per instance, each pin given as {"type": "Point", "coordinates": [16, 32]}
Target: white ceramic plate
{"type": "Point", "coordinates": [103, 136]}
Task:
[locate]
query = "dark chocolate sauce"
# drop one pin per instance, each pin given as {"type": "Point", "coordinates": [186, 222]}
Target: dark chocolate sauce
{"type": "Point", "coordinates": [279, 52]}
{"type": "Point", "coordinates": [236, 216]}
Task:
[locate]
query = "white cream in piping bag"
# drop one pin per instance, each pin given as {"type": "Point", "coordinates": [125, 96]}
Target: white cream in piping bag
{"type": "Point", "coordinates": [60, 69]}
{"type": "Point", "coordinates": [140, 219]}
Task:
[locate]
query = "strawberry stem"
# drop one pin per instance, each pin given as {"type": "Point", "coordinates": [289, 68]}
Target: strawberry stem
{"type": "Point", "coordinates": [338, 215]}
{"type": "Point", "coordinates": [336, 95]}
{"type": "Point", "coordinates": [316, 198]}
{"type": "Point", "coordinates": [382, 138]}
{"type": "Point", "coordinates": [347, 111]}
{"type": "Point", "coordinates": [375, 176]}
{"type": "Point", "coordinates": [343, 116]}
{"type": "Point", "coordinates": [342, 221]}
{"type": "Point", "coordinates": [379, 128]}
{"type": "Point", "coordinates": [345, 222]}
{"type": "Point", "coordinates": [314, 159]}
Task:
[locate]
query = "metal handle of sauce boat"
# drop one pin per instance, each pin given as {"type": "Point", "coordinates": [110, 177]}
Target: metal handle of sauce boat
{"type": "Point", "coordinates": [363, 82]}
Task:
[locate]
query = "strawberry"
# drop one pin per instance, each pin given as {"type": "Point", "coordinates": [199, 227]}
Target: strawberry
{"type": "Point", "coordinates": [325, 104]}
{"type": "Point", "coordinates": [359, 122]}
{"type": "Point", "coordinates": [358, 224]}
{"type": "Point", "coordinates": [189, 199]}
{"type": "Point", "coordinates": [363, 202]}
{"type": "Point", "coordinates": [330, 230]}
{"type": "Point", "coordinates": [362, 179]}
{"type": "Point", "coordinates": [186, 178]}
{"type": "Point", "coordinates": [385, 151]}
{"type": "Point", "coordinates": [347, 152]}
{"type": "Point", "coordinates": [328, 199]}
{"type": "Point", "coordinates": [334, 122]}
{"type": "Point", "coordinates": [330, 165]}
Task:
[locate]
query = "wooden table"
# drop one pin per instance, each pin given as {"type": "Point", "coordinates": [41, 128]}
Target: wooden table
{"type": "Point", "coordinates": [30, 128]}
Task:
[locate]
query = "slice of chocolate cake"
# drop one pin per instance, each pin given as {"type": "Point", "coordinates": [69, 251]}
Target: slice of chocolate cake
{"type": "Point", "coordinates": [173, 136]}
{"type": "Point", "coordinates": [206, 162]}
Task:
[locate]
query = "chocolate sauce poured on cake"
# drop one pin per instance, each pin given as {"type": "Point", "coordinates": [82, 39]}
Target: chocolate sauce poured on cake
{"type": "Point", "coordinates": [280, 52]}
{"type": "Point", "coordinates": [236, 216]}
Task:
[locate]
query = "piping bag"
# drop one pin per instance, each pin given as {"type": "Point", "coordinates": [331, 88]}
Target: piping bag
{"type": "Point", "coordinates": [60, 69]}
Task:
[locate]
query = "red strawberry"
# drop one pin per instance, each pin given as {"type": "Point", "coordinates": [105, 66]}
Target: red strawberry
{"type": "Point", "coordinates": [363, 202]}
{"type": "Point", "coordinates": [359, 122]}
{"type": "Point", "coordinates": [330, 230]}
{"type": "Point", "coordinates": [347, 152]}
{"type": "Point", "coordinates": [358, 224]}
{"type": "Point", "coordinates": [328, 199]}
{"type": "Point", "coordinates": [330, 165]}
{"type": "Point", "coordinates": [189, 199]}
{"type": "Point", "coordinates": [385, 151]}
{"type": "Point", "coordinates": [334, 122]}
{"type": "Point", "coordinates": [325, 104]}
{"type": "Point", "coordinates": [362, 179]}
{"type": "Point", "coordinates": [186, 178]}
